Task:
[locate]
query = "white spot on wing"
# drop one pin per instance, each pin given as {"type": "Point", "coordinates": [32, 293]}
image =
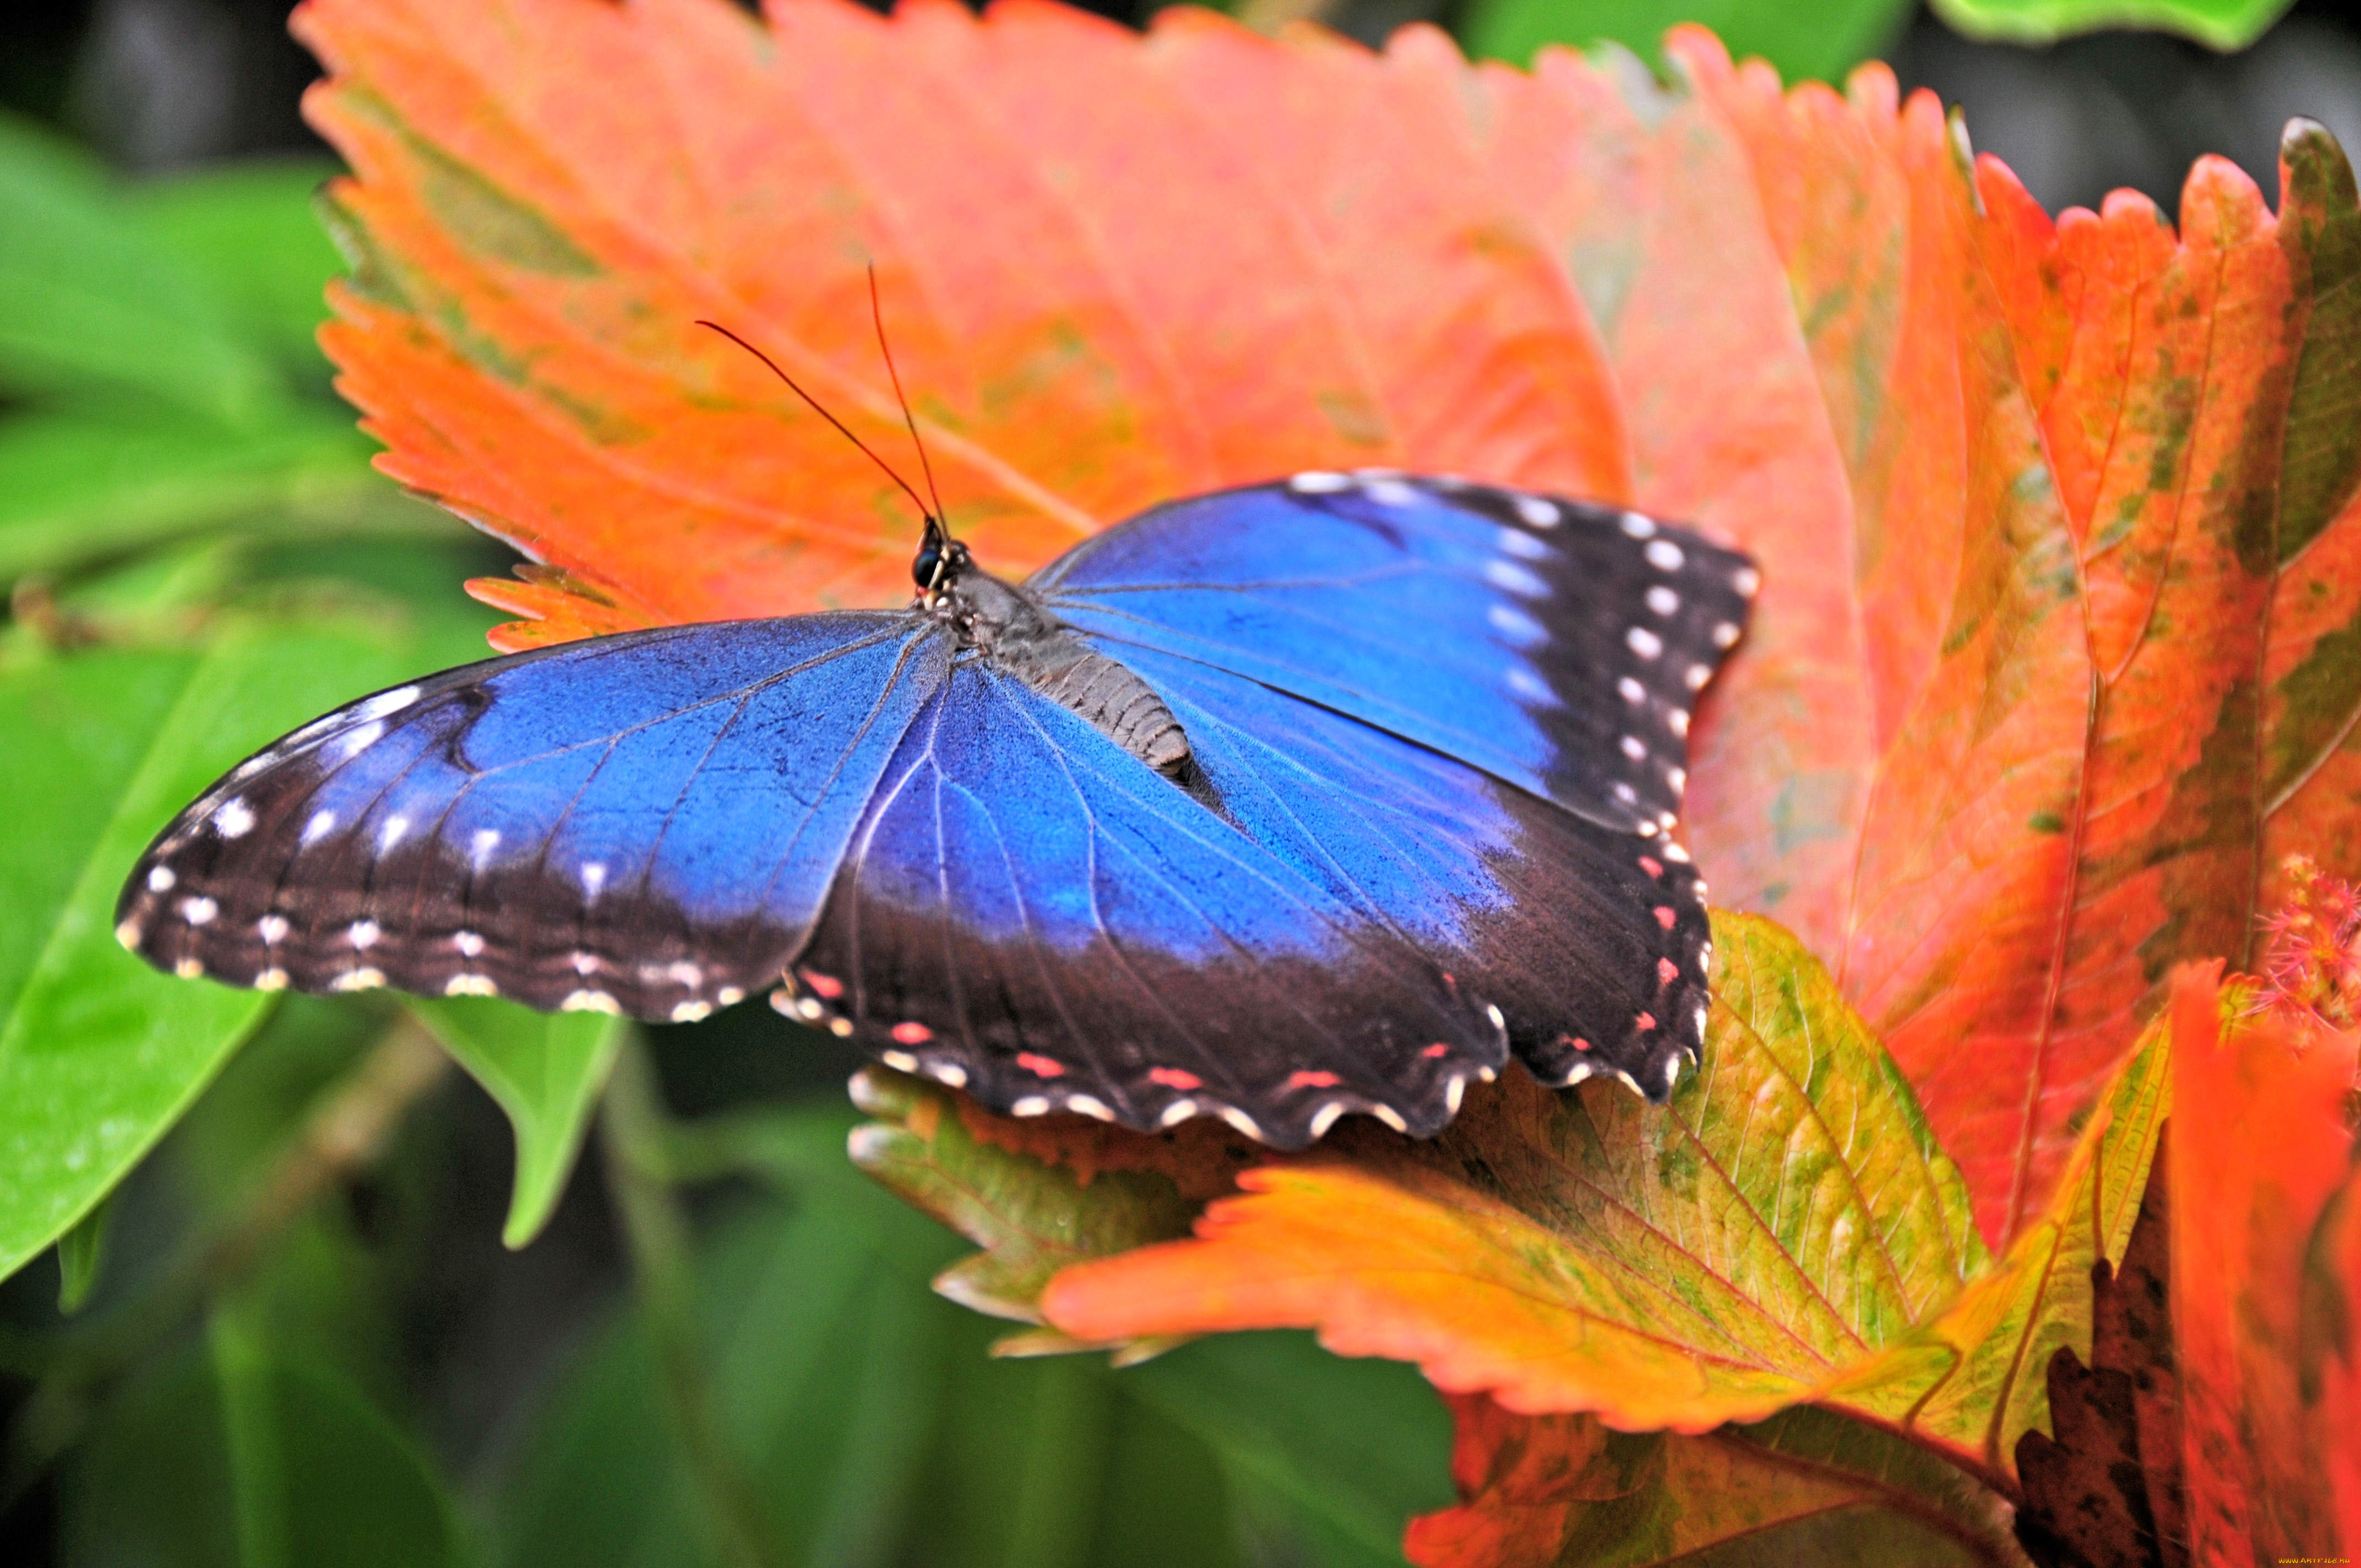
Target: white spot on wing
{"type": "Point", "coordinates": [485, 841]}
{"type": "Point", "coordinates": [353, 742]}
{"type": "Point", "coordinates": [1241, 1121]}
{"type": "Point", "coordinates": [1537, 513]}
{"type": "Point", "coordinates": [1677, 721]}
{"type": "Point", "coordinates": [1325, 1117]}
{"type": "Point", "coordinates": [161, 879]}
{"type": "Point", "coordinates": [948, 1073]}
{"type": "Point", "coordinates": [1638, 527]}
{"type": "Point", "coordinates": [198, 911]}
{"type": "Point", "coordinates": [594, 877]}
{"type": "Point", "coordinates": [128, 934]}
{"type": "Point", "coordinates": [273, 928]}
{"type": "Point", "coordinates": [470, 985]}
{"type": "Point", "coordinates": [1524, 546]}
{"type": "Point", "coordinates": [321, 823]}
{"type": "Point", "coordinates": [1515, 578]}
{"type": "Point", "coordinates": [589, 1002]}
{"type": "Point", "coordinates": [1317, 482]}
{"type": "Point", "coordinates": [1663, 601]}
{"type": "Point", "coordinates": [691, 1012]}
{"type": "Point", "coordinates": [1515, 624]}
{"type": "Point", "coordinates": [384, 703]}
{"type": "Point", "coordinates": [1696, 677]}
{"type": "Point", "coordinates": [1390, 492]}
{"type": "Point", "coordinates": [1747, 581]}
{"type": "Point", "coordinates": [363, 933]}
{"type": "Point", "coordinates": [1634, 747]}
{"type": "Point", "coordinates": [1090, 1106]}
{"type": "Point", "coordinates": [234, 820]}
{"type": "Point", "coordinates": [900, 1061]}
{"type": "Point", "coordinates": [1177, 1112]}
{"type": "Point", "coordinates": [1643, 641]}
{"type": "Point", "coordinates": [363, 979]}
{"type": "Point", "coordinates": [1526, 684]}
{"type": "Point", "coordinates": [1665, 555]}
{"type": "Point", "coordinates": [1725, 634]}
{"type": "Point", "coordinates": [469, 943]}
{"type": "Point", "coordinates": [1391, 1117]}
{"type": "Point", "coordinates": [188, 968]}
{"type": "Point", "coordinates": [1031, 1105]}
{"type": "Point", "coordinates": [391, 834]}
{"type": "Point", "coordinates": [1631, 690]}
{"type": "Point", "coordinates": [271, 979]}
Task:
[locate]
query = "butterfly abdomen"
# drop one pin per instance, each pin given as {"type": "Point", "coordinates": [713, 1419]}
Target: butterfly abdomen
{"type": "Point", "coordinates": [1025, 641]}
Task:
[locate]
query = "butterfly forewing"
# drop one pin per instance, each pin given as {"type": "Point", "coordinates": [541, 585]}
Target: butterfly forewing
{"type": "Point", "coordinates": [1556, 644]}
{"type": "Point", "coordinates": [644, 824]}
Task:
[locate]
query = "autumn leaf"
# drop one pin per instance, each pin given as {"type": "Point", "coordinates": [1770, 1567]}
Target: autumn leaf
{"type": "Point", "coordinates": [2263, 1282]}
{"type": "Point", "coordinates": [2106, 1489]}
{"type": "Point", "coordinates": [1990, 747]}
{"type": "Point", "coordinates": [1785, 1231]}
{"type": "Point", "coordinates": [1805, 1486]}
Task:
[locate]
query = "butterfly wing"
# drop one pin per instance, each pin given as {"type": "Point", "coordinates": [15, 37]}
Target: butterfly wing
{"type": "Point", "coordinates": [1031, 913]}
{"type": "Point", "coordinates": [1555, 645]}
{"type": "Point", "coordinates": [1552, 649]}
{"type": "Point", "coordinates": [644, 823]}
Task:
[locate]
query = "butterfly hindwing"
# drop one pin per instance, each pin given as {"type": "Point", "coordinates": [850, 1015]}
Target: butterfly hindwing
{"type": "Point", "coordinates": [644, 823]}
{"type": "Point", "coordinates": [1029, 913]}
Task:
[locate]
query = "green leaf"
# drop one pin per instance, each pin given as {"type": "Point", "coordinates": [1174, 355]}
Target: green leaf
{"type": "Point", "coordinates": [247, 1458]}
{"type": "Point", "coordinates": [1031, 1218]}
{"type": "Point", "coordinates": [89, 297]}
{"type": "Point", "coordinates": [1823, 41]}
{"type": "Point", "coordinates": [1342, 1452]}
{"type": "Point", "coordinates": [2219, 24]}
{"type": "Point", "coordinates": [546, 1070]}
{"type": "Point", "coordinates": [248, 229]}
{"type": "Point", "coordinates": [80, 486]}
{"type": "Point", "coordinates": [99, 1054]}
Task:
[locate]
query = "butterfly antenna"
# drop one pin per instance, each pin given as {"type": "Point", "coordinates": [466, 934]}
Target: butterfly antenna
{"type": "Point", "coordinates": [915, 500]}
{"type": "Point", "coordinates": [877, 315]}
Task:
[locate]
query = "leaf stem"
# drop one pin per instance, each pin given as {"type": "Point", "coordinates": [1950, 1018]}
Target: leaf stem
{"type": "Point", "coordinates": [634, 1133]}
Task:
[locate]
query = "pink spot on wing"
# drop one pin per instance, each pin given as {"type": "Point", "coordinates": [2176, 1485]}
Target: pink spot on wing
{"type": "Point", "coordinates": [826, 986]}
{"type": "Point", "coordinates": [1312, 1081]}
{"type": "Point", "coordinates": [1652, 865]}
{"type": "Point", "coordinates": [912, 1033]}
{"type": "Point", "coordinates": [1645, 1021]}
{"type": "Point", "coordinates": [1580, 1044]}
{"type": "Point", "coordinates": [1667, 972]}
{"type": "Point", "coordinates": [1174, 1078]}
{"type": "Point", "coordinates": [1436, 1049]}
{"type": "Point", "coordinates": [1663, 913]}
{"type": "Point", "coordinates": [1040, 1065]}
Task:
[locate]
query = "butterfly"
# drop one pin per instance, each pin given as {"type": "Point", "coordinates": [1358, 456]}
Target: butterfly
{"type": "Point", "coordinates": [1317, 797]}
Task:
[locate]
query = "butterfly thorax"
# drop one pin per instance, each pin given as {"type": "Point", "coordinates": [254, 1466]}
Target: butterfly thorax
{"type": "Point", "coordinates": [1005, 626]}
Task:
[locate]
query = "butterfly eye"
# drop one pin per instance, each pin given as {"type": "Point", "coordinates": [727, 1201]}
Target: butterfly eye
{"type": "Point", "coordinates": [929, 562]}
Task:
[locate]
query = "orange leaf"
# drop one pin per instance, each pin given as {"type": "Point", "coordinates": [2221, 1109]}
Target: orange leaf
{"type": "Point", "coordinates": [552, 192]}
{"type": "Point", "coordinates": [2263, 1282]}
{"type": "Point", "coordinates": [1991, 745]}
{"type": "Point", "coordinates": [1782, 1220]}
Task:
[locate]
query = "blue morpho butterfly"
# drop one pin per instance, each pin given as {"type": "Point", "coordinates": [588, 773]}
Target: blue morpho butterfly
{"type": "Point", "coordinates": [1314, 797]}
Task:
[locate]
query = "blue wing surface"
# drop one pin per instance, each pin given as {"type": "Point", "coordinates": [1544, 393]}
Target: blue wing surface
{"type": "Point", "coordinates": [1032, 913]}
{"type": "Point", "coordinates": [645, 823]}
{"type": "Point", "coordinates": [1556, 644]}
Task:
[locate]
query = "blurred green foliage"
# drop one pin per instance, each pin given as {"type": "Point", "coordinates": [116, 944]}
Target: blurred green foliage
{"type": "Point", "coordinates": [1824, 41]}
{"type": "Point", "coordinates": [280, 1329]}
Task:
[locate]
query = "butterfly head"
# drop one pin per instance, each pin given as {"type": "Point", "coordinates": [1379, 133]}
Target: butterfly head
{"type": "Point", "coordinates": [939, 563]}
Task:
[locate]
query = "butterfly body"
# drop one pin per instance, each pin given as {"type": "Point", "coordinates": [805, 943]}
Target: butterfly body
{"type": "Point", "coordinates": [1282, 804]}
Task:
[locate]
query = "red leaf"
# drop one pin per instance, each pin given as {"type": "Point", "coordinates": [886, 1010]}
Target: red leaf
{"type": "Point", "coordinates": [1991, 745]}
{"type": "Point", "coordinates": [1802, 1487]}
{"type": "Point", "coordinates": [1091, 318]}
{"type": "Point", "coordinates": [2262, 1140]}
